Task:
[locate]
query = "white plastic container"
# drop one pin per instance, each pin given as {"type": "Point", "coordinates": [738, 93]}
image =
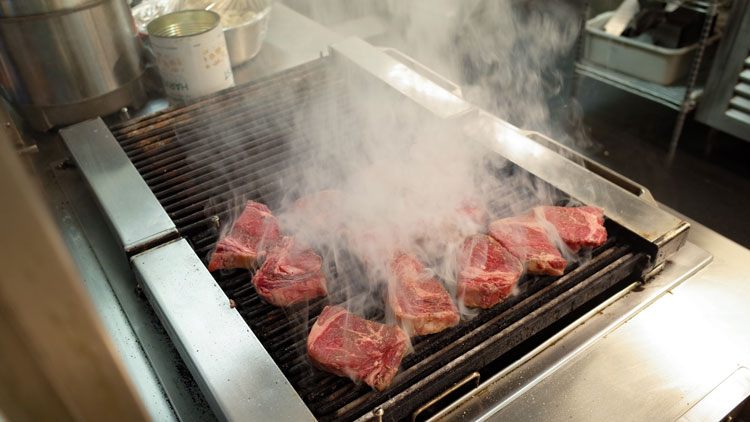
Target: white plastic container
{"type": "Point", "coordinates": [636, 58]}
{"type": "Point", "coordinates": [191, 53]}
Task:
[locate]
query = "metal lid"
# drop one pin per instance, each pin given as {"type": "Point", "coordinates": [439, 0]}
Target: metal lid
{"type": "Point", "coordinates": [21, 8]}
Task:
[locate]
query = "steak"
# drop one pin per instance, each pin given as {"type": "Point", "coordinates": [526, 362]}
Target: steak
{"type": "Point", "coordinates": [525, 238]}
{"type": "Point", "coordinates": [487, 272]}
{"type": "Point", "coordinates": [252, 233]}
{"type": "Point", "coordinates": [291, 274]}
{"type": "Point", "coordinates": [346, 345]}
{"type": "Point", "coordinates": [421, 304]}
{"type": "Point", "coordinates": [578, 227]}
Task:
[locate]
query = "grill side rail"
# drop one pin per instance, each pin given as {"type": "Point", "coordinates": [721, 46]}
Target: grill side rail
{"type": "Point", "coordinates": [133, 212]}
{"type": "Point", "coordinates": [234, 371]}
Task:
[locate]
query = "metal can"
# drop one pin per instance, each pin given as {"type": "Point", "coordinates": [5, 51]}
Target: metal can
{"type": "Point", "coordinates": [191, 53]}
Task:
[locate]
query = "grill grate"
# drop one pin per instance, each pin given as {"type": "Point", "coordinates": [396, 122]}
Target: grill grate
{"type": "Point", "coordinates": [204, 160]}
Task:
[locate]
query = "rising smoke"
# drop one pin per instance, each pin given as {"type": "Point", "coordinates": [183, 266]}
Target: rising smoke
{"type": "Point", "coordinates": [393, 176]}
{"type": "Point", "coordinates": [399, 179]}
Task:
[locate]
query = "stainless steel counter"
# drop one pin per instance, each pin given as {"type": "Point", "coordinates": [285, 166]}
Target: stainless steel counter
{"type": "Point", "coordinates": [654, 365]}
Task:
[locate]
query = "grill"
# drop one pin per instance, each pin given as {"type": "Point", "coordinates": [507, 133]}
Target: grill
{"type": "Point", "coordinates": [204, 160]}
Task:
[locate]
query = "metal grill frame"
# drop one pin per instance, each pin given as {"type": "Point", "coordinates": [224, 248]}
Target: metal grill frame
{"type": "Point", "coordinates": [672, 236]}
{"type": "Point", "coordinates": [330, 397]}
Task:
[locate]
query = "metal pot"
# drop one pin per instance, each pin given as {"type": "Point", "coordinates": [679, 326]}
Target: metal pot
{"type": "Point", "coordinates": [244, 41]}
{"type": "Point", "coordinates": [64, 61]}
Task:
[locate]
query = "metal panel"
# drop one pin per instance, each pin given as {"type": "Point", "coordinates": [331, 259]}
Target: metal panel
{"type": "Point", "coordinates": [231, 366]}
{"type": "Point", "coordinates": [377, 63]}
{"type": "Point", "coordinates": [662, 229]}
{"type": "Point", "coordinates": [720, 402]}
{"type": "Point", "coordinates": [135, 215]}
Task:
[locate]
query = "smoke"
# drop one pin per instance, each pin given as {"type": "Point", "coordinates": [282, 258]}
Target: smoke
{"type": "Point", "coordinates": [396, 178]}
{"type": "Point", "coordinates": [375, 174]}
{"type": "Point", "coordinates": [507, 55]}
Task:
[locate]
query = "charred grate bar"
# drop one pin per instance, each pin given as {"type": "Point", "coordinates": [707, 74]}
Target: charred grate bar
{"type": "Point", "coordinates": [204, 160]}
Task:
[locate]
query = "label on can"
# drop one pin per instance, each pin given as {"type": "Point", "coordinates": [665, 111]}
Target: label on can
{"type": "Point", "coordinates": [193, 66]}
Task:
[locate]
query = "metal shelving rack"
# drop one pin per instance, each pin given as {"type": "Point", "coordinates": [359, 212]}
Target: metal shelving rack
{"type": "Point", "coordinates": [682, 97]}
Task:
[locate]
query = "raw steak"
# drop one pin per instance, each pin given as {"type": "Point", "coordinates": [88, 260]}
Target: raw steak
{"type": "Point", "coordinates": [349, 346]}
{"type": "Point", "coordinates": [487, 272]}
{"type": "Point", "coordinates": [254, 231]}
{"type": "Point", "coordinates": [525, 238]}
{"type": "Point", "coordinates": [291, 274]}
{"type": "Point", "coordinates": [420, 302]}
{"type": "Point", "coordinates": [578, 227]}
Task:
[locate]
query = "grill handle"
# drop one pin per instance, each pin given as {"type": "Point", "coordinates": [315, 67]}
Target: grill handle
{"type": "Point", "coordinates": [416, 82]}
{"type": "Point", "coordinates": [636, 189]}
{"type": "Point", "coordinates": [418, 67]}
{"type": "Point", "coordinates": [473, 376]}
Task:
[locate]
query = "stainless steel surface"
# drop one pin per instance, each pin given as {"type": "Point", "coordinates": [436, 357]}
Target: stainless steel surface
{"type": "Point", "coordinates": [149, 355]}
{"type": "Point", "coordinates": [233, 369]}
{"type": "Point", "coordinates": [663, 230]}
{"type": "Point", "coordinates": [292, 39]}
{"type": "Point", "coordinates": [244, 41]}
{"type": "Point", "coordinates": [439, 79]}
{"type": "Point", "coordinates": [135, 215]}
{"type": "Point", "coordinates": [599, 324]}
{"type": "Point", "coordinates": [112, 314]}
{"type": "Point", "coordinates": [405, 80]}
{"type": "Point", "coordinates": [474, 376]}
{"type": "Point", "coordinates": [722, 400]}
{"type": "Point", "coordinates": [64, 67]}
{"type": "Point", "coordinates": [616, 178]}
{"type": "Point", "coordinates": [36, 7]}
{"type": "Point", "coordinates": [666, 232]}
{"type": "Point", "coordinates": [654, 366]}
